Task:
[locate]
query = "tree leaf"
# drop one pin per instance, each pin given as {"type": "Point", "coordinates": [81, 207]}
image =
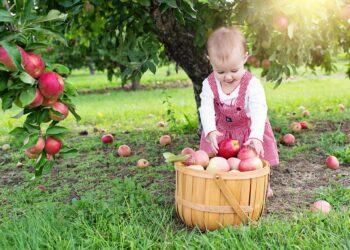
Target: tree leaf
{"type": "Point", "coordinates": [27, 96]}
{"type": "Point", "coordinates": [18, 131]}
{"type": "Point", "coordinates": [18, 115]}
{"type": "Point", "coordinates": [51, 16]}
{"type": "Point", "coordinates": [50, 33]}
{"type": "Point", "coordinates": [34, 46]}
{"type": "Point", "coordinates": [151, 66]}
{"type": "Point", "coordinates": [5, 17]}
{"type": "Point", "coordinates": [29, 4]}
{"type": "Point", "coordinates": [13, 52]}
{"type": "Point", "coordinates": [56, 130]}
{"type": "Point", "coordinates": [26, 78]}
{"type": "Point", "coordinates": [170, 3]}
{"type": "Point", "coordinates": [32, 140]}
{"type": "Point", "coordinates": [59, 68]}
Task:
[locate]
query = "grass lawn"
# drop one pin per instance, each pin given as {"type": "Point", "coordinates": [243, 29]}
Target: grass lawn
{"type": "Point", "coordinates": [97, 200]}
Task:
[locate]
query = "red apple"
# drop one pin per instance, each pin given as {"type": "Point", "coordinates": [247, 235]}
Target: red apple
{"type": "Point", "coordinates": [142, 163]}
{"type": "Point", "coordinates": [233, 162]}
{"type": "Point", "coordinates": [332, 162]}
{"type": "Point", "coordinates": [306, 113]}
{"type": "Point", "coordinates": [33, 64]}
{"type": "Point", "coordinates": [199, 157]}
{"type": "Point", "coordinates": [124, 151]}
{"type": "Point", "coordinates": [52, 145]}
{"type": "Point", "coordinates": [345, 12]}
{"type": "Point", "coordinates": [187, 151]}
{"type": "Point", "coordinates": [38, 147]}
{"type": "Point", "coordinates": [252, 60]}
{"type": "Point", "coordinates": [165, 139]}
{"type": "Point", "coordinates": [6, 60]}
{"type": "Point", "coordinates": [38, 100]}
{"type": "Point", "coordinates": [228, 148]}
{"type": "Point", "coordinates": [280, 23]}
{"type": "Point", "coordinates": [61, 108]}
{"type": "Point", "coordinates": [265, 64]}
{"type": "Point", "coordinates": [295, 126]}
{"type": "Point", "coordinates": [250, 164]}
{"type": "Point", "coordinates": [51, 85]}
{"type": "Point", "coordinates": [48, 102]}
{"type": "Point", "coordinates": [108, 138]}
{"type": "Point", "coordinates": [42, 188]}
{"type": "Point", "coordinates": [321, 206]}
{"type": "Point", "coordinates": [246, 152]}
{"type": "Point", "coordinates": [218, 164]}
{"type": "Point", "coordinates": [288, 139]}
{"type": "Point", "coordinates": [30, 155]}
{"type": "Point", "coordinates": [304, 124]}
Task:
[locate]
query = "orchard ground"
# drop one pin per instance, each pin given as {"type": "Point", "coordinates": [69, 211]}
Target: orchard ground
{"type": "Point", "coordinates": [95, 199]}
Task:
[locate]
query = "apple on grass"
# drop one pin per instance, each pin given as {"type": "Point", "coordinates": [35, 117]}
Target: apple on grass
{"type": "Point", "coordinates": [107, 138]}
{"type": "Point", "coordinates": [321, 206]}
{"type": "Point", "coordinates": [165, 140]}
{"type": "Point", "coordinates": [142, 163]}
{"type": "Point", "coordinates": [288, 139]}
{"type": "Point", "coordinates": [332, 162]}
{"type": "Point", "coordinates": [124, 151]}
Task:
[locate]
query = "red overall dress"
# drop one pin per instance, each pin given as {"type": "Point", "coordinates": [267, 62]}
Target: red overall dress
{"type": "Point", "coordinates": [233, 122]}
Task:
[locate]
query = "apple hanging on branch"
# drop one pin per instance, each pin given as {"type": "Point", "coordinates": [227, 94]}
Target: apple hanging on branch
{"type": "Point", "coordinates": [26, 84]}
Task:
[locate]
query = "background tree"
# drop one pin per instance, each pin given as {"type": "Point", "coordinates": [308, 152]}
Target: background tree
{"type": "Point", "coordinates": [282, 35]}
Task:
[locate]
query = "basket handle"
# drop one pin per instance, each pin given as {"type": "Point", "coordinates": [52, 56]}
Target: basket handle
{"type": "Point", "coordinates": [231, 199]}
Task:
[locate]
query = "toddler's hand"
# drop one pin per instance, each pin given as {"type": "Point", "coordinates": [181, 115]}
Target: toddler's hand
{"type": "Point", "coordinates": [257, 145]}
{"type": "Point", "coordinates": [212, 137]}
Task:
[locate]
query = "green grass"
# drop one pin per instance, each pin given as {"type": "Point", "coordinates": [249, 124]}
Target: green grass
{"type": "Point", "coordinates": [82, 79]}
{"type": "Point", "coordinates": [96, 200]}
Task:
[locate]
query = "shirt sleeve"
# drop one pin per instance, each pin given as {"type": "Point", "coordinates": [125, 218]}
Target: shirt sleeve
{"type": "Point", "coordinates": [206, 110]}
{"type": "Point", "coordinates": [257, 108]}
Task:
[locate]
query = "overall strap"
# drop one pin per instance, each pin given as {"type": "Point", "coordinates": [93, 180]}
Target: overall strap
{"type": "Point", "coordinates": [243, 89]}
{"type": "Point", "coordinates": [214, 87]}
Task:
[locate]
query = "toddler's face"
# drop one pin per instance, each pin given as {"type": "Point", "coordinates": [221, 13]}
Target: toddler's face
{"type": "Point", "coordinates": [231, 70]}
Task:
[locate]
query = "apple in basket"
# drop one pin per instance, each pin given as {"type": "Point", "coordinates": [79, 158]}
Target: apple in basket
{"type": "Point", "coordinates": [233, 162]}
{"type": "Point", "coordinates": [199, 157]}
{"type": "Point", "coordinates": [196, 167]}
{"type": "Point", "coordinates": [250, 164]}
{"type": "Point", "coordinates": [228, 148]}
{"type": "Point", "coordinates": [246, 152]}
{"type": "Point", "coordinates": [218, 164]}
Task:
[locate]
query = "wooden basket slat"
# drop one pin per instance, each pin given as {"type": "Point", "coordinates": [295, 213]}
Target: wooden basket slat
{"type": "Point", "coordinates": [179, 192]}
{"type": "Point", "coordinates": [260, 197]}
{"type": "Point", "coordinates": [187, 213]}
{"type": "Point", "coordinates": [254, 189]}
{"type": "Point", "coordinates": [198, 198]}
{"type": "Point", "coordinates": [212, 197]}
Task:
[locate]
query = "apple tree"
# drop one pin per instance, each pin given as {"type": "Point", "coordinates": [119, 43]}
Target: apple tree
{"type": "Point", "coordinates": [132, 36]}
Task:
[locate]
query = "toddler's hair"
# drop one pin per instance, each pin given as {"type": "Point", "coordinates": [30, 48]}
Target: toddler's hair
{"type": "Point", "coordinates": [224, 41]}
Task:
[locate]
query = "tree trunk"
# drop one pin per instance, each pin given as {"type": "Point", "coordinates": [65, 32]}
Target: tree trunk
{"type": "Point", "coordinates": [135, 84]}
{"type": "Point", "coordinates": [179, 45]}
{"type": "Point", "coordinates": [91, 69]}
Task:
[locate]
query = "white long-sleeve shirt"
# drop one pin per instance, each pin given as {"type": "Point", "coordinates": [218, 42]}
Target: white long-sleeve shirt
{"type": "Point", "coordinates": [255, 106]}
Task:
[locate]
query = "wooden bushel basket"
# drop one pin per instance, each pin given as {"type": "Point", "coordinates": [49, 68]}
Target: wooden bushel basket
{"type": "Point", "coordinates": [210, 200]}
